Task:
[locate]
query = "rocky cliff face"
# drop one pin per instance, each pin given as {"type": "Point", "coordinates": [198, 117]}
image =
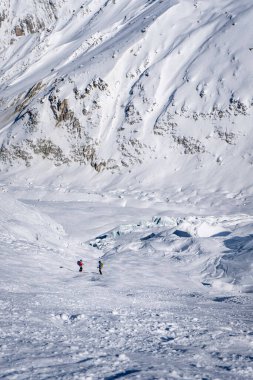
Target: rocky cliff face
{"type": "Point", "coordinates": [22, 19]}
{"type": "Point", "coordinates": [114, 84]}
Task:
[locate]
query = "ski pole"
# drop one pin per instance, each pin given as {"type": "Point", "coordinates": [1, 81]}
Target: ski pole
{"type": "Point", "coordinates": [67, 269]}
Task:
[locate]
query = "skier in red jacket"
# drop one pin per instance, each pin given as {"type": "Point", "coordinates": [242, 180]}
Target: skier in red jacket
{"type": "Point", "coordinates": [80, 264]}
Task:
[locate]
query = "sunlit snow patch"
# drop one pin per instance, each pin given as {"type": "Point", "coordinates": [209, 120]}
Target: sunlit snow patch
{"type": "Point", "coordinates": [214, 251]}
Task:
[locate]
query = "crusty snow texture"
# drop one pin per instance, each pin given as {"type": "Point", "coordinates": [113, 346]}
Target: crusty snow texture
{"type": "Point", "coordinates": [174, 300]}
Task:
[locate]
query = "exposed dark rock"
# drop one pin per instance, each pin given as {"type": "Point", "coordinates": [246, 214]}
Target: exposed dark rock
{"type": "Point", "coordinates": [14, 153]}
{"type": "Point", "coordinates": [86, 154]}
{"type": "Point", "coordinates": [228, 137]}
{"type": "Point", "coordinates": [190, 145]}
{"type": "Point", "coordinates": [60, 109]}
{"type": "Point", "coordinates": [29, 25]}
{"type": "Point", "coordinates": [19, 31]}
{"type": "Point", "coordinates": [32, 92]}
{"type": "Point", "coordinates": [30, 119]}
{"type": "Point", "coordinates": [2, 17]}
{"type": "Point", "coordinates": [132, 115]}
{"type": "Point", "coordinates": [96, 83]}
{"type": "Point", "coordinates": [48, 150]}
{"type": "Point", "coordinates": [165, 125]}
{"type": "Point", "coordinates": [64, 112]}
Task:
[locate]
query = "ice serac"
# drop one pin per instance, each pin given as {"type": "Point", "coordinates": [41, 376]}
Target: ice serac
{"type": "Point", "coordinates": [117, 85]}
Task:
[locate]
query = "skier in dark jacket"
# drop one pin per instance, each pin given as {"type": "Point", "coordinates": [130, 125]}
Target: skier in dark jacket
{"type": "Point", "coordinates": [80, 264]}
{"type": "Point", "coordinates": [100, 266]}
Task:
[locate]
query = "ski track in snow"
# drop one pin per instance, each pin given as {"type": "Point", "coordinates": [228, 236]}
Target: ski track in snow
{"type": "Point", "coordinates": [157, 312]}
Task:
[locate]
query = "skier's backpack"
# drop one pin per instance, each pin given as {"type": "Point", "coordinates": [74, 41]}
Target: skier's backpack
{"type": "Point", "coordinates": [79, 263]}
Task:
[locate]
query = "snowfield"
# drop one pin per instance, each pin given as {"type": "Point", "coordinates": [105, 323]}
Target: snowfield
{"type": "Point", "coordinates": [174, 300]}
{"type": "Point", "coordinates": [126, 136]}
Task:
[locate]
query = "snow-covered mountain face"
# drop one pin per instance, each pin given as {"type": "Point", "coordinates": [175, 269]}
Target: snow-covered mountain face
{"type": "Point", "coordinates": [111, 86]}
{"type": "Point", "coordinates": [125, 136]}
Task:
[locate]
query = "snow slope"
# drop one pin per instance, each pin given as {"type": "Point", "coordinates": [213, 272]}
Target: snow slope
{"type": "Point", "coordinates": [174, 300]}
{"type": "Point", "coordinates": [107, 86]}
{"type": "Point", "coordinates": [125, 136]}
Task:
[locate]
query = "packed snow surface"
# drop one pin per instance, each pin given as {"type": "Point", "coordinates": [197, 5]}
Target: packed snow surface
{"type": "Point", "coordinates": [174, 300]}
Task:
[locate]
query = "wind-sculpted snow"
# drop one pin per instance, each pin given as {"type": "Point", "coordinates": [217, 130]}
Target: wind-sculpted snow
{"type": "Point", "coordinates": [22, 223]}
{"type": "Point", "coordinates": [109, 85]}
{"type": "Point", "coordinates": [215, 251]}
{"type": "Point", "coordinates": [174, 300]}
{"type": "Point", "coordinates": [28, 239]}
